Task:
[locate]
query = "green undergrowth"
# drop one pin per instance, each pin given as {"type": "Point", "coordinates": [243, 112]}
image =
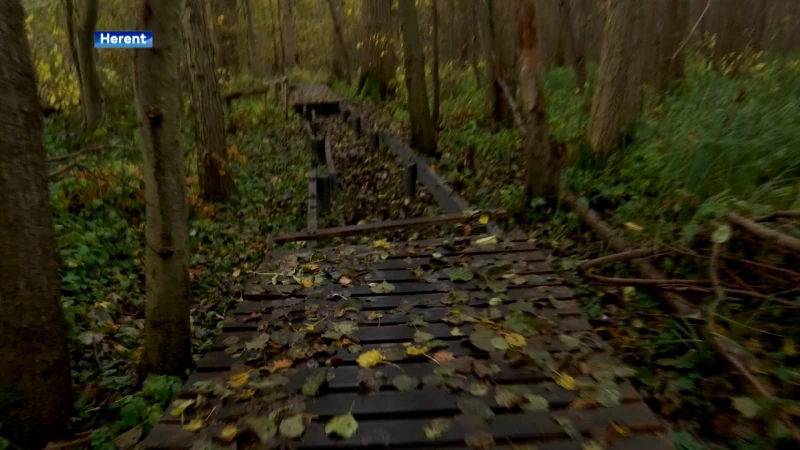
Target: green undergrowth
{"type": "Point", "coordinates": [713, 143]}
{"type": "Point", "coordinates": [98, 215]}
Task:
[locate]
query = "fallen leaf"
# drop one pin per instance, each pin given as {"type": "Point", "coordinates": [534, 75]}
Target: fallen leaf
{"type": "Point", "coordinates": [370, 358]}
{"type": "Point", "coordinates": [488, 240]}
{"type": "Point", "coordinates": [436, 427]}
{"type": "Point", "coordinates": [475, 407]}
{"type": "Point", "coordinates": [443, 356]}
{"type": "Point", "coordinates": [263, 427]}
{"type": "Point", "coordinates": [281, 364]}
{"type": "Point", "coordinates": [373, 315]}
{"type": "Point", "coordinates": [535, 403]}
{"type": "Point", "coordinates": [180, 407]}
{"type": "Point", "coordinates": [479, 440]}
{"type": "Point", "coordinates": [228, 434]}
{"type": "Point", "coordinates": [381, 288]}
{"type": "Point", "coordinates": [515, 340]}
{"type": "Point", "coordinates": [455, 331]}
{"type": "Point", "coordinates": [344, 281]}
{"type": "Point", "coordinates": [420, 337]}
{"type": "Point", "coordinates": [238, 380]}
{"type": "Point", "coordinates": [314, 382]}
{"type": "Point", "coordinates": [230, 340]}
{"type": "Point", "coordinates": [483, 219]}
{"type": "Point", "coordinates": [478, 389]}
{"type": "Point", "coordinates": [507, 398]}
{"type": "Point", "coordinates": [566, 382]}
{"type": "Point", "coordinates": [194, 425]}
{"type": "Point", "coordinates": [746, 406]}
{"type": "Point", "coordinates": [293, 427]}
{"type": "Point", "coordinates": [404, 382]}
{"type": "Point", "coordinates": [129, 438]}
{"type": "Point", "coordinates": [258, 343]}
{"type": "Point", "coordinates": [416, 351]}
{"type": "Point", "coordinates": [344, 426]}
{"type": "Point", "coordinates": [461, 274]}
{"type": "Point", "coordinates": [633, 227]}
{"type": "Point", "coordinates": [382, 243]}
{"type": "Point", "coordinates": [307, 282]}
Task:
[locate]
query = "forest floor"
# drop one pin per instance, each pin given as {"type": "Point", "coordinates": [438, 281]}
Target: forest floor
{"type": "Point", "coordinates": [682, 169]}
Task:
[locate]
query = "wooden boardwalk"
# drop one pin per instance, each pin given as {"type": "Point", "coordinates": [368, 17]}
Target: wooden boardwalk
{"type": "Point", "coordinates": [467, 343]}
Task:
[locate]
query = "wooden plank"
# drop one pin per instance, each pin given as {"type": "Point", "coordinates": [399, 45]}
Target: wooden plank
{"type": "Point", "coordinates": [541, 293]}
{"type": "Point", "coordinates": [328, 160]}
{"type": "Point", "coordinates": [353, 230]}
{"type": "Point", "coordinates": [441, 191]}
{"type": "Point", "coordinates": [429, 315]}
{"type": "Point", "coordinates": [312, 216]}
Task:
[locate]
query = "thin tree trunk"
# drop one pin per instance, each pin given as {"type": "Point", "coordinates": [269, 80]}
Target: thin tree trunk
{"type": "Point", "coordinates": [35, 388]}
{"type": "Point", "coordinates": [91, 96]}
{"type": "Point", "coordinates": [255, 66]}
{"type": "Point", "coordinates": [226, 32]}
{"type": "Point", "coordinates": [493, 58]}
{"type": "Point", "coordinates": [635, 62]}
{"type": "Point", "coordinates": [423, 133]}
{"type": "Point", "coordinates": [378, 57]}
{"type": "Point", "coordinates": [474, 50]}
{"type": "Point", "coordinates": [216, 182]}
{"type": "Point", "coordinates": [435, 68]}
{"type": "Point", "coordinates": [277, 46]}
{"type": "Point", "coordinates": [573, 54]}
{"type": "Point", "coordinates": [289, 49]}
{"type": "Point", "coordinates": [607, 118]}
{"type": "Point", "coordinates": [167, 330]}
{"type": "Point", "coordinates": [73, 50]}
{"type": "Point", "coordinates": [340, 67]}
{"type": "Point", "coordinates": [670, 65]}
{"type": "Point", "coordinates": [542, 168]}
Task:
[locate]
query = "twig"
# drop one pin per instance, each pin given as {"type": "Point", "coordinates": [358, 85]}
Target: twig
{"type": "Point", "coordinates": [63, 445]}
{"type": "Point", "coordinates": [768, 234]}
{"type": "Point", "coordinates": [54, 176]}
{"type": "Point", "coordinates": [86, 151]}
{"type": "Point", "coordinates": [793, 214]}
{"type": "Point", "coordinates": [741, 292]}
{"type": "Point", "coordinates": [696, 24]}
{"type": "Point", "coordinates": [616, 257]}
{"type": "Point", "coordinates": [644, 281]}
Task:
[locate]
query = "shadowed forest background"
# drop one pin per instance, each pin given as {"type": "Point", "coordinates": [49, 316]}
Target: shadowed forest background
{"type": "Point", "coordinates": [676, 122]}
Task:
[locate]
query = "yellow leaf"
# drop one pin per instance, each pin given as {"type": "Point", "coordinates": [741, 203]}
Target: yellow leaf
{"type": "Point", "coordinates": [382, 243]}
{"type": "Point", "coordinates": [633, 227]}
{"type": "Point", "coordinates": [238, 380]}
{"type": "Point", "coordinates": [370, 358]}
{"type": "Point", "coordinates": [484, 219]}
{"type": "Point", "coordinates": [488, 240]}
{"type": "Point", "coordinates": [228, 433]}
{"type": "Point", "coordinates": [281, 364]}
{"type": "Point", "coordinates": [416, 351]}
{"type": "Point", "coordinates": [180, 407]}
{"type": "Point", "coordinates": [312, 267]}
{"type": "Point", "coordinates": [622, 431]}
{"type": "Point", "coordinates": [628, 293]}
{"type": "Point", "coordinates": [194, 425]}
{"type": "Point", "coordinates": [307, 282]}
{"type": "Point", "coordinates": [566, 382]}
{"type": "Point", "coordinates": [247, 394]}
{"type": "Point", "coordinates": [221, 19]}
{"type": "Point", "coordinates": [789, 347]}
{"type": "Point", "coordinates": [515, 339]}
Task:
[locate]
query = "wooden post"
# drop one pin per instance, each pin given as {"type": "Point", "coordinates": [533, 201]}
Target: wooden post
{"type": "Point", "coordinates": [374, 141]}
{"type": "Point", "coordinates": [331, 167]}
{"type": "Point", "coordinates": [323, 194]}
{"type": "Point", "coordinates": [314, 126]}
{"type": "Point", "coordinates": [356, 124]}
{"type": "Point", "coordinates": [410, 180]}
{"type": "Point", "coordinates": [345, 114]}
{"type": "Point", "coordinates": [318, 149]}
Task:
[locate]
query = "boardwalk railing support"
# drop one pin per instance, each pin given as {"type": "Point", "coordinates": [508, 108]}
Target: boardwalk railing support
{"type": "Point", "coordinates": [328, 159]}
{"type": "Point", "coordinates": [410, 179]}
{"type": "Point", "coordinates": [312, 216]}
{"type": "Point", "coordinates": [356, 124]}
{"type": "Point", "coordinates": [323, 194]}
{"type": "Point", "coordinates": [318, 149]}
{"type": "Point", "coordinates": [374, 141]}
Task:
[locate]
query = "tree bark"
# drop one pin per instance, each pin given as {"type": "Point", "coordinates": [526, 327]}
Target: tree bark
{"type": "Point", "coordinates": [423, 133]}
{"type": "Point", "coordinates": [289, 49]}
{"type": "Point", "coordinates": [542, 167]}
{"type": "Point", "coordinates": [167, 330]}
{"type": "Point", "coordinates": [277, 63]}
{"type": "Point", "coordinates": [73, 50]}
{"type": "Point", "coordinates": [35, 388]}
{"type": "Point", "coordinates": [228, 52]}
{"type": "Point", "coordinates": [378, 58]}
{"type": "Point", "coordinates": [608, 115]}
{"type": "Point", "coordinates": [435, 68]}
{"type": "Point", "coordinates": [255, 65]}
{"type": "Point", "coordinates": [670, 64]}
{"type": "Point", "coordinates": [91, 97]}
{"type": "Point", "coordinates": [572, 52]}
{"type": "Point", "coordinates": [215, 180]}
{"type": "Point", "coordinates": [492, 55]}
{"type": "Point", "coordinates": [340, 67]}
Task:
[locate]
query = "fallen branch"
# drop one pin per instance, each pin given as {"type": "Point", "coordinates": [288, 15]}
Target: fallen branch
{"type": "Point", "coordinates": [55, 175]}
{"type": "Point", "coordinates": [721, 345]}
{"type": "Point", "coordinates": [643, 265]}
{"type": "Point", "coordinates": [793, 214]}
{"type": "Point", "coordinates": [229, 97]}
{"type": "Point", "coordinates": [645, 282]}
{"type": "Point", "coordinates": [616, 257]}
{"type": "Point", "coordinates": [64, 445]}
{"type": "Point", "coordinates": [385, 226]}
{"type": "Point", "coordinates": [87, 151]}
{"type": "Point", "coordinates": [768, 234]}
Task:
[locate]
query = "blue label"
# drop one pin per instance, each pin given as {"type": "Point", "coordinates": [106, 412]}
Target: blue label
{"type": "Point", "coordinates": [123, 39]}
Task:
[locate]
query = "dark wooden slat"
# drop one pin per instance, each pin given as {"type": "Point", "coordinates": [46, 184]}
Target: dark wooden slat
{"type": "Point", "coordinates": [561, 293]}
{"type": "Point", "coordinates": [352, 230]}
{"type": "Point", "coordinates": [429, 315]}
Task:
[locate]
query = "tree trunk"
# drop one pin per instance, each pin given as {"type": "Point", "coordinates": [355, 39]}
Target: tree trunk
{"type": "Point", "coordinates": [423, 134]}
{"type": "Point", "coordinates": [277, 63]}
{"type": "Point", "coordinates": [435, 68]}
{"type": "Point", "coordinates": [378, 60]}
{"type": "Point", "coordinates": [226, 32]}
{"type": "Point", "coordinates": [633, 52]}
{"type": "Point", "coordinates": [35, 388]}
{"type": "Point", "coordinates": [216, 182]}
{"type": "Point", "coordinates": [167, 330]}
{"type": "Point", "coordinates": [474, 50]}
{"type": "Point", "coordinates": [289, 49]}
{"type": "Point", "coordinates": [607, 118]}
{"type": "Point", "coordinates": [494, 73]}
{"type": "Point", "coordinates": [670, 66]}
{"type": "Point", "coordinates": [572, 52]}
{"type": "Point", "coordinates": [91, 96]}
{"type": "Point", "coordinates": [542, 167]}
{"type": "Point", "coordinates": [255, 65]}
{"type": "Point", "coordinates": [340, 66]}
{"type": "Point", "coordinates": [73, 50]}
